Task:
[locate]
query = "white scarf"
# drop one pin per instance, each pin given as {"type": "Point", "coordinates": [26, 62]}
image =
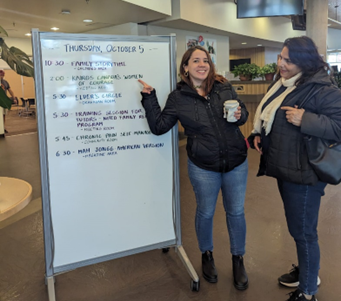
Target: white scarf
{"type": "Point", "coordinates": [265, 119]}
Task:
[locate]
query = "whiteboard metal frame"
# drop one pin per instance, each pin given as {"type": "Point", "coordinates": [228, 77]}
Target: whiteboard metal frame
{"type": "Point", "coordinates": [51, 272]}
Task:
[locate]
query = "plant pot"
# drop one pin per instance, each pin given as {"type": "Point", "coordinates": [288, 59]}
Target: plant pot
{"type": "Point", "coordinates": [245, 77]}
{"type": "Point", "coordinates": [269, 76]}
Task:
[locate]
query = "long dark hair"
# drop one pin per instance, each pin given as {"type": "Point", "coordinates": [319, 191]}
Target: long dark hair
{"type": "Point", "coordinates": [303, 53]}
{"type": "Point", "coordinates": [212, 75]}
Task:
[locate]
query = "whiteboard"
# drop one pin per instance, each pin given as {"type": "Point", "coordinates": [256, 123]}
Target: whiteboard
{"type": "Point", "coordinates": [109, 180]}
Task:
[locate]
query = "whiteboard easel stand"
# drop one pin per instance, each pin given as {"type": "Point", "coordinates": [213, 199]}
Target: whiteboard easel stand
{"type": "Point", "coordinates": [52, 271]}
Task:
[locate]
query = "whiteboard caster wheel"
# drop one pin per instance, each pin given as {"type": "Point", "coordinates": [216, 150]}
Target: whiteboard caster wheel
{"type": "Point", "coordinates": [165, 250]}
{"type": "Point", "coordinates": [195, 286]}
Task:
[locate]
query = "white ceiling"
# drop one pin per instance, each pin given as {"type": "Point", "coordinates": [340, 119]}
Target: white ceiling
{"type": "Point", "coordinates": [18, 17]}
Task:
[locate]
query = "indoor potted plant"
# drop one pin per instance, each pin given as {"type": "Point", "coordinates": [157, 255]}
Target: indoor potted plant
{"type": "Point", "coordinates": [17, 60]}
{"type": "Point", "coordinates": [268, 71]}
{"type": "Point", "coordinates": [246, 71]}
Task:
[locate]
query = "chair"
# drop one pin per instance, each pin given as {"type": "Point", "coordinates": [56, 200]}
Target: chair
{"type": "Point", "coordinates": [23, 102]}
{"type": "Point", "coordinates": [29, 107]}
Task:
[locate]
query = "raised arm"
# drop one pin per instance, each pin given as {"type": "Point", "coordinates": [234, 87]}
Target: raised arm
{"type": "Point", "coordinates": [160, 122]}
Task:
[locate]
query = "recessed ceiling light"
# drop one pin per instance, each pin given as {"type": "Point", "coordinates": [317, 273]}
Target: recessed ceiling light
{"type": "Point", "coordinates": [66, 12]}
{"type": "Point", "coordinates": [259, 45]}
{"type": "Point", "coordinates": [27, 34]}
{"type": "Point", "coordinates": [55, 28]}
{"type": "Point", "coordinates": [87, 21]}
{"type": "Point", "coordinates": [244, 43]}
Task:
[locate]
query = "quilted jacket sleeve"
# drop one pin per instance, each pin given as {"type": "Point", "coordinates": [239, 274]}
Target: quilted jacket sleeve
{"type": "Point", "coordinates": [160, 122]}
{"type": "Point", "coordinates": [324, 120]}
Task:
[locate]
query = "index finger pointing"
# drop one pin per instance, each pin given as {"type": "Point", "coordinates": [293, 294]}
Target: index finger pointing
{"type": "Point", "coordinates": [142, 82]}
{"type": "Point", "coordinates": [288, 108]}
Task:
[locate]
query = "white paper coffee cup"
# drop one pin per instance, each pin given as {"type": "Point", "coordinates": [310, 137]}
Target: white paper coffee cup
{"type": "Point", "coordinates": [230, 106]}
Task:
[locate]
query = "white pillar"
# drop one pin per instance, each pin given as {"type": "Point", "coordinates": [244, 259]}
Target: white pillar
{"type": "Point", "coordinates": [317, 24]}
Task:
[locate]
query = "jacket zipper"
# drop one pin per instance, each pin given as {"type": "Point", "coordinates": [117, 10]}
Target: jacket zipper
{"type": "Point", "coordinates": [298, 161]}
{"type": "Point", "coordinates": [218, 130]}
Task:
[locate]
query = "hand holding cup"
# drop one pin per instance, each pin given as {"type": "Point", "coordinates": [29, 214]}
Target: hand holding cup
{"type": "Point", "coordinates": [232, 110]}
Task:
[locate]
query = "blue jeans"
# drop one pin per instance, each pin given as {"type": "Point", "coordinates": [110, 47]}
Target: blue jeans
{"type": "Point", "coordinates": [301, 205]}
{"type": "Point", "coordinates": [206, 185]}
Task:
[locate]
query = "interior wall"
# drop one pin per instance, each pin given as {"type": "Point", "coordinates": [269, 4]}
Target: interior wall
{"type": "Point", "coordinates": [164, 6]}
{"type": "Point", "coordinates": [22, 86]}
{"type": "Point", "coordinates": [23, 44]}
{"type": "Point", "coordinates": [271, 54]}
{"type": "Point", "coordinates": [255, 54]}
{"type": "Point", "coordinates": [122, 29]}
{"type": "Point", "coordinates": [333, 39]}
{"type": "Point", "coordinates": [222, 46]}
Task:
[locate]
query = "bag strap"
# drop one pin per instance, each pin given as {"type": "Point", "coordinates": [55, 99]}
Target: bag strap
{"type": "Point", "coordinates": [310, 95]}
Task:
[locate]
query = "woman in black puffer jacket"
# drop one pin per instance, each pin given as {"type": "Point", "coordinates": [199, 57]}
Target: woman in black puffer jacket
{"type": "Point", "coordinates": [217, 152]}
{"type": "Point", "coordinates": [279, 130]}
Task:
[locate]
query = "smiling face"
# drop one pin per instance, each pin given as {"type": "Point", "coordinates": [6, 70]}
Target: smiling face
{"type": "Point", "coordinates": [287, 69]}
{"type": "Point", "coordinates": [198, 67]}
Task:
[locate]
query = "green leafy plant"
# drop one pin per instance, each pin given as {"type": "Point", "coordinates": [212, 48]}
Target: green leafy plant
{"type": "Point", "coordinates": [247, 70]}
{"type": "Point", "coordinates": [17, 60]}
{"type": "Point", "coordinates": [269, 68]}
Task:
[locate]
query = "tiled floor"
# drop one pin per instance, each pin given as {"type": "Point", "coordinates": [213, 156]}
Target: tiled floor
{"type": "Point", "coordinates": [20, 121]}
{"type": "Point", "coordinates": [154, 275]}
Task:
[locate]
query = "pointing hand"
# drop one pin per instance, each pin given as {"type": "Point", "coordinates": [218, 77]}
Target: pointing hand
{"type": "Point", "coordinates": [294, 115]}
{"type": "Point", "coordinates": [146, 87]}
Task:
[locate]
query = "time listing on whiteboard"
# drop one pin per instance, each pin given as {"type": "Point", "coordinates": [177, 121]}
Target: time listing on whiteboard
{"type": "Point", "coordinates": [92, 99]}
{"type": "Point", "coordinates": [109, 180]}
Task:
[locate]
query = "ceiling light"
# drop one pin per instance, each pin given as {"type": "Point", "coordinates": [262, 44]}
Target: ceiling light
{"type": "Point", "coordinates": [66, 12]}
{"type": "Point", "coordinates": [27, 34]}
{"type": "Point", "coordinates": [244, 43]}
{"type": "Point", "coordinates": [55, 28]}
{"type": "Point", "coordinates": [87, 21]}
{"type": "Point", "coordinates": [259, 45]}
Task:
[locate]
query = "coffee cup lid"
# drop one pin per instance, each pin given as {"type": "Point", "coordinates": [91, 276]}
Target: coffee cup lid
{"type": "Point", "coordinates": [231, 101]}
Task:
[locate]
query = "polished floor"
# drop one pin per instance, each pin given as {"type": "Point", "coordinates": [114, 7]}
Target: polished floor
{"type": "Point", "coordinates": [20, 120]}
{"type": "Point", "coordinates": [155, 275]}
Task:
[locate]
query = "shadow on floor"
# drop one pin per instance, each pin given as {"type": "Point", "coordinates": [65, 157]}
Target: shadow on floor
{"type": "Point", "coordinates": [20, 124]}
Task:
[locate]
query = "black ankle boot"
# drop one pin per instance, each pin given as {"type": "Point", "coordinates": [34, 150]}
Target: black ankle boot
{"type": "Point", "coordinates": [240, 280]}
{"type": "Point", "coordinates": [208, 268]}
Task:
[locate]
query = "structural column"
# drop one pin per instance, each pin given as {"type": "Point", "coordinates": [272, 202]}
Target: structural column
{"type": "Point", "coordinates": [317, 24]}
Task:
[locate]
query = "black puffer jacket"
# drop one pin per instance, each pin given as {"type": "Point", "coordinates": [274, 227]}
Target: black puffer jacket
{"type": "Point", "coordinates": [287, 156]}
{"type": "Point", "coordinates": [213, 143]}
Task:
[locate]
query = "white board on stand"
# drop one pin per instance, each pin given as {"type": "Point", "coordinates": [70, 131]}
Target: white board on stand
{"type": "Point", "coordinates": [110, 180]}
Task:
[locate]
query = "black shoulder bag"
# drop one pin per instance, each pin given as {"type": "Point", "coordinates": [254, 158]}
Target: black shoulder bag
{"type": "Point", "coordinates": [324, 155]}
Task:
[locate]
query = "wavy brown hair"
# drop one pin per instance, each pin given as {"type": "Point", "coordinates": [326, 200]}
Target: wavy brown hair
{"type": "Point", "coordinates": [211, 77]}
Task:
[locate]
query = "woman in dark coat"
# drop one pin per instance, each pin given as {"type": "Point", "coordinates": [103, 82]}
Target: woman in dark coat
{"type": "Point", "coordinates": [216, 149]}
{"type": "Point", "coordinates": [278, 135]}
